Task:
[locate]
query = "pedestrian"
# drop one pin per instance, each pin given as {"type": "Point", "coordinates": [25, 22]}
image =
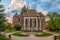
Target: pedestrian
{"type": "Point", "coordinates": [55, 37]}
{"type": "Point", "coordinates": [10, 36]}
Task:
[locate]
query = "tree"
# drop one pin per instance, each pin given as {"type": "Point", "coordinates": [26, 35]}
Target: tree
{"type": "Point", "coordinates": [53, 24]}
{"type": "Point", "coordinates": [2, 18]}
{"type": "Point", "coordinates": [57, 23]}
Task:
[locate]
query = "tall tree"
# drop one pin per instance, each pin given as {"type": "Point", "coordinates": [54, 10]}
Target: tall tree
{"type": "Point", "coordinates": [2, 18]}
{"type": "Point", "coordinates": [53, 20]}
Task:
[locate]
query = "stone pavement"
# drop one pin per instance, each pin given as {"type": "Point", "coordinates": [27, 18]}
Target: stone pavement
{"type": "Point", "coordinates": [31, 37]}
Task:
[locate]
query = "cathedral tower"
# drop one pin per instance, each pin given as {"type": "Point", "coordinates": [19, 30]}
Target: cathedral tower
{"type": "Point", "coordinates": [24, 9]}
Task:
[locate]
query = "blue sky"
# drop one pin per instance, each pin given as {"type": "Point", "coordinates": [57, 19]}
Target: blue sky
{"type": "Point", "coordinates": [45, 5]}
{"type": "Point", "coordinates": [39, 5]}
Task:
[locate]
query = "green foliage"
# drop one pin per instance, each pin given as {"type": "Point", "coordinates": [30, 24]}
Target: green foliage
{"type": "Point", "coordinates": [3, 38]}
{"type": "Point", "coordinates": [17, 27]}
{"type": "Point", "coordinates": [20, 34]}
{"type": "Point", "coordinates": [13, 29]}
{"type": "Point", "coordinates": [7, 30]}
{"type": "Point", "coordinates": [54, 23]}
{"type": "Point", "coordinates": [58, 38]}
{"type": "Point", "coordinates": [2, 19]}
{"type": "Point", "coordinates": [43, 34]}
{"type": "Point", "coordinates": [10, 30]}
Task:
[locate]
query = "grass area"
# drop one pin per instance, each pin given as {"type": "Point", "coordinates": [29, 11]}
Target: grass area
{"type": "Point", "coordinates": [58, 38]}
{"type": "Point", "coordinates": [43, 34]}
{"type": "Point", "coordinates": [3, 38]}
{"type": "Point", "coordinates": [20, 34]}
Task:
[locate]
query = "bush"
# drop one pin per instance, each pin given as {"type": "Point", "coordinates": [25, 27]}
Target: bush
{"type": "Point", "coordinates": [7, 31]}
{"type": "Point", "coordinates": [3, 28]}
{"type": "Point", "coordinates": [10, 30]}
{"type": "Point", "coordinates": [18, 27]}
{"type": "Point", "coordinates": [13, 29]}
{"type": "Point", "coordinates": [3, 38]}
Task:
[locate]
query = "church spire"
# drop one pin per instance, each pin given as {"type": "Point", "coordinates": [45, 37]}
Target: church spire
{"type": "Point", "coordinates": [24, 9]}
{"type": "Point", "coordinates": [27, 7]}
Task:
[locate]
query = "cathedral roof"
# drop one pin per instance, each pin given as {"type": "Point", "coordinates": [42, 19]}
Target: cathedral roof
{"type": "Point", "coordinates": [30, 13]}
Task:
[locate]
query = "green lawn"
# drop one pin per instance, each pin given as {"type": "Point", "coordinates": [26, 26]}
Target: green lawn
{"type": "Point", "coordinates": [43, 34]}
{"type": "Point", "coordinates": [3, 38]}
{"type": "Point", "coordinates": [58, 38]}
{"type": "Point", "coordinates": [20, 34]}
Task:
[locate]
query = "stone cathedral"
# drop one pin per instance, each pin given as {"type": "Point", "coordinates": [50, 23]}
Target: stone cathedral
{"type": "Point", "coordinates": [29, 20]}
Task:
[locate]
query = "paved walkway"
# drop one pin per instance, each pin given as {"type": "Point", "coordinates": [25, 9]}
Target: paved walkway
{"type": "Point", "coordinates": [32, 37]}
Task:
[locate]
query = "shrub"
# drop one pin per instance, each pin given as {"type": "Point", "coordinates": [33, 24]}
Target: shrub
{"type": "Point", "coordinates": [3, 38]}
{"type": "Point", "coordinates": [18, 27]}
{"type": "Point", "coordinates": [7, 30]}
{"type": "Point", "coordinates": [10, 30]}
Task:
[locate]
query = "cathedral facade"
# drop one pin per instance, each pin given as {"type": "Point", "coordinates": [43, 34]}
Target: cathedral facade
{"type": "Point", "coordinates": [29, 20]}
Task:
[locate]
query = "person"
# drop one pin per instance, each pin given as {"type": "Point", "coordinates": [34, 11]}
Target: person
{"type": "Point", "coordinates": [55, 37]}
{"type": "Point", "coordinates": [10, 36]}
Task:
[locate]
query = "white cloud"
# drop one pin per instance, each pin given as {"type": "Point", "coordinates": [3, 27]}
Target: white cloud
{"type": "Point", "coordinates": [58, 6]}
{"type": "Point", "coordinates": [17, 4]}
{"type": "Point", "coordinates": [7, 10]}
{"type": "Point", "coordinates": [46, 0]}
{"type": "Point", "coordinates": [31, 4]}
{"type": "Point", "coordinates": [56, 1]}
{"type": "Point", "coordinates": [40, 9]}
{"type": "Point", "coordinates": [46, 19]}
{"type": "Point", "coordinates": [9, 16]}
{"type": "Point", "coordinates": [9, 19]}
{"type": "Point", "coordinates": [45, 13]}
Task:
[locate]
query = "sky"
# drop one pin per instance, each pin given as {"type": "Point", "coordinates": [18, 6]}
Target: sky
{"type": "Point", "coordinates": [43, 6]}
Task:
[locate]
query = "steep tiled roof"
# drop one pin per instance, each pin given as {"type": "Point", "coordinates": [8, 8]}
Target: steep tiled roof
{"type": "Point", "coordinates": [30, 13]}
